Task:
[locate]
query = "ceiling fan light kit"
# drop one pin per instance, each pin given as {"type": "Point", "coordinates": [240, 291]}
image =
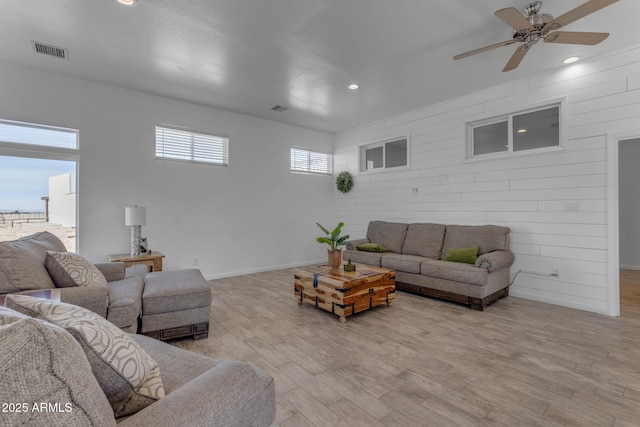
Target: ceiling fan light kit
{"type": "Point", "coordinates": [534, 26]}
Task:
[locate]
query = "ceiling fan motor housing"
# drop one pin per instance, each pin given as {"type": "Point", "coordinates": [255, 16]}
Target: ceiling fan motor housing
{"type": "Point", "coordinates": [532, 11]}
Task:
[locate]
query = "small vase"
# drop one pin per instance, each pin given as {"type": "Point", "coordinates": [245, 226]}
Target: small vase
{"type": "Point", "coordinates": [335, 258]}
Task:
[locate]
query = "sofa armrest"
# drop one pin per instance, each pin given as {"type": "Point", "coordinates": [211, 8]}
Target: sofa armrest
{"type": "Point", "coordinates": [230, 394]}
{"type": "Point", "coordinates": [353, 244]}
{"type": "Point", "coordinates": [94, 298]}
{"type": "Point", "coordinates": [112, 271]}
{"type": "Point", "coordinates": [496, 260]}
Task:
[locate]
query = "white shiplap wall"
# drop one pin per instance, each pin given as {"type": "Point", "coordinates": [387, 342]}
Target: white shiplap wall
{"type": "Point", "coordinates": [555, 203]}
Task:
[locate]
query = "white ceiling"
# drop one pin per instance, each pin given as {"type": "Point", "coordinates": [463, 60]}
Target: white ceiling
{"type": "Point", "coordinates": [249, 55]}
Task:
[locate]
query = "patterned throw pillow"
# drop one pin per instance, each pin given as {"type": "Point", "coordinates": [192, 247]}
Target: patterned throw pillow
{"type": "Point", "coordinates": [43, 364]}
{"type": "Point", "coordinates": [68, 269]}
{"type": "Point", "coordinates": [129, 377]}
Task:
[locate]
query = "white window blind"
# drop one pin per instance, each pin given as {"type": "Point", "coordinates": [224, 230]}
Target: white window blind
{"type": "Point", "coordinates": [189, 146]}
{"type": "Point", "coordinates": [310, 161]}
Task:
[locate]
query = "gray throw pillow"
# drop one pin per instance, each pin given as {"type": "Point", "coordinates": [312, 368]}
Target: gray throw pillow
{"type": "Point", "coordinates": [43, 365]}
{"type": "Point", "coordinates": [22, 262]}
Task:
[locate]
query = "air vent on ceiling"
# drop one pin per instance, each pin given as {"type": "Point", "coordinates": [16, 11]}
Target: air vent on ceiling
{"type": "Point", "coordinates": [279, 108]}
{"type": "Point", "coordinates": [47, 49]}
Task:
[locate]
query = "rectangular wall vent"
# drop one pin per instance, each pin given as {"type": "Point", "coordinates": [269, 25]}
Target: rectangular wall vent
{"type": "Point", "coordinates": [47, 49]}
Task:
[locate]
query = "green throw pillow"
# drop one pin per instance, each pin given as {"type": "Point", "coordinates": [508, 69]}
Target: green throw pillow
{"type": "Point", "coordinates": [467, 255]}
{"type": "Point", "coordinates": [371, 247]}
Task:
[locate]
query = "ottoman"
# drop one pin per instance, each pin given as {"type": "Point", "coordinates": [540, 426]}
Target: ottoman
{"type": "Point", "coordinates": [175, 304]}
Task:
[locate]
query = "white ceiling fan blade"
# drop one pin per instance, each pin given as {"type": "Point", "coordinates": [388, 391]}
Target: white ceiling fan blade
{"type": "Point", "coordinates": [484, 49]}
{"type": "Point", "coordinates": [577, 13]}
{"type": "Point", "coordinates": [516, 58]}
{"type": "Point", "coordinates": [572, 37]}
{"type": "Point", "coordinates": [513, 18]}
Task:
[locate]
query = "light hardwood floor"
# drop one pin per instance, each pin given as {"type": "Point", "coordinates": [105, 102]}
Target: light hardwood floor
{"type": "Point", "coordinates": [425, 362]}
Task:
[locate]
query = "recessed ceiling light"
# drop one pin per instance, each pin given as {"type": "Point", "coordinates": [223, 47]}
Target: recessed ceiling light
{"type": "Point", "coordinates": [354, 86]}
{"type": "Point", "coordinates": [571, 59]}
{"type": "Point", "coordinates": [522, 130]}
{"type": "Point", "coordinates": [127, 2]}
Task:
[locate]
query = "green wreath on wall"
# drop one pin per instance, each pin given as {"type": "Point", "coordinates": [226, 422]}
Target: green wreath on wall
{"type": "Point", "coordinates": [344, 182]}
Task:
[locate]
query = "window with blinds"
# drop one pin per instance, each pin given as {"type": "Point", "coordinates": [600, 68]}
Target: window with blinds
{"type": "Point", "coordinates": [310, 161]}
{"type": "Point", "coordinates": [188, 146]}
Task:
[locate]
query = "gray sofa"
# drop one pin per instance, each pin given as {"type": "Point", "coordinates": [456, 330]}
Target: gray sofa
{"type": "Point", "coordinates": [416, 252]}
{"type": "Point", "coordinates": [163, 305]}
{"type": "Point", "coordinates": [22, 268]}
{"type": "Point", "coordinates": [43, 364]}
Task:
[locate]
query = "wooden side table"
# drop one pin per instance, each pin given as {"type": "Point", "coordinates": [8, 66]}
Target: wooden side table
{"type": "Point", "coordinates": [153, 260]}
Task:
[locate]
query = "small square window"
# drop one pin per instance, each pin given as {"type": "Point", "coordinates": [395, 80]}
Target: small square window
{"type": "Point", "coordinates": [492, 138]}
{"type": "Point", "coordinates": [384, 155]}
{"type": "Point", "coordinates": [536, 130]}
{"type": "Point", "coordinates": [311, 161]}
{"type": "Point", "coordinates": [519, 132]}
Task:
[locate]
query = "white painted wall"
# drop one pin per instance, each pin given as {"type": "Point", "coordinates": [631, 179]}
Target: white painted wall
{"type": "Point", "coordinates": [629, 202]}
{"type": "Point", "coordinates": [62, 200]}
{"type": "Point", "coordinates": [249, 216]}
{"type": "Point", "coordinates": [534, 195]}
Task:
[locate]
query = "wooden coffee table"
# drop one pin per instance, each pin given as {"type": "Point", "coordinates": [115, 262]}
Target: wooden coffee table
{"type": "Point", "coordinates": [345, 293]}
{"type": "Point", "coordinates": [52, 294]}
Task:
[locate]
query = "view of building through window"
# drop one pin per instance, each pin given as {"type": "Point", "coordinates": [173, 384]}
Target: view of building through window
{"type": "Point", "coordinates": [38, 195]}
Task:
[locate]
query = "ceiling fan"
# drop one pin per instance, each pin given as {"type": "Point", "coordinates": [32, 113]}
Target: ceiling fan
{"type": "Point", "coordinates": [536, 26]}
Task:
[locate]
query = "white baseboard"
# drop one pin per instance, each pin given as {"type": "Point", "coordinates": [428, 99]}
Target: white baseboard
{"type": "Point", "coordinates": [533, 296]}
{"type": "Point", "coordinates": [262, 270]}
{"type": "Point", "coordinates": [629, 267]}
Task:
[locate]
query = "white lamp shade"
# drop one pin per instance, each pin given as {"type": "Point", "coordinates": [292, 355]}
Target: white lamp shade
{"type": "Point", "coordinates": [135, 215]}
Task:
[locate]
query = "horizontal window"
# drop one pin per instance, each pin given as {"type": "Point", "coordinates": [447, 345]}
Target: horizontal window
{"type": "Point", "coordinates": [31, 134]}
{"type": "Point", "coordinates": [384, 155]}
{"type": "Point", "coordinates": [311, 161]}
{"type": "Point", "coordinates": [518, 132]}
{"type": "Point", "coordinates": [185, 145]}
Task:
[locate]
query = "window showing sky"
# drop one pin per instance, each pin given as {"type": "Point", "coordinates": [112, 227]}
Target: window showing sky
{"type": "Point", "coordinates": [24, 181]}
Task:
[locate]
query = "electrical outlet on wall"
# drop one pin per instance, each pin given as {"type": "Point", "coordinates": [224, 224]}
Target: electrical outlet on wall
{"type": "Point", "coordinates": [572, 206]}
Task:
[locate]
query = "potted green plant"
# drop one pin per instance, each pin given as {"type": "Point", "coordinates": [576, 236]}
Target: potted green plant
{"type": "Point", "coordinates": [333, 239]}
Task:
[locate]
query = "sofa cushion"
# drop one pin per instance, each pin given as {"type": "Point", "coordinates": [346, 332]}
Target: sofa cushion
{"type": "Point", "coordinates": [388, 234]}
{"type": "Point", "coordinates": [68, 269]}
{"type": "Point", "coordinates": [43, 364]}
{"type": "Point", "coordinates": [455, 271]}
{"type": "Point", "coordinates": [424, 240]}
{"type": "Point", "coordinates": [362, 257]}
{"type": "Point", "coordinates": [22, 262]}
{"type": "Point", "coordinates": [129, 377]}
{"type": "Point", "coordinates": [406, 263]}
{"type": "Point", "coordinates": [371, 247]}
{"type": "Point", "coordinates": [488, 238]}
{"type": "Point", "coordinates": [466, 255]}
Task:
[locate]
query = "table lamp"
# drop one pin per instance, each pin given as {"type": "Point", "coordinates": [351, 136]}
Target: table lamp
{"type": "Point", "coordinates": [135, 217]}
